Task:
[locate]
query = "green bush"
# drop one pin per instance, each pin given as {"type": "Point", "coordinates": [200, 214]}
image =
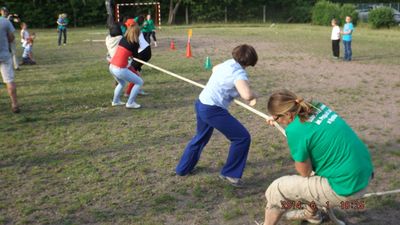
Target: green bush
{"type": "Point", "coordinates": [381, 17]}
{"type": "Point", "coordinates": [348, 10]}
{"type": "Point", "coordinates": [300, 11]}
{"type": "Point", "coordinates": [324, 11]}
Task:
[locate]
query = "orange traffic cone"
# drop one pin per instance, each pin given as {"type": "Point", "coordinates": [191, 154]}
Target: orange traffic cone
{"type": "Point", "coordinates": [188, 50]}
{"type": "Point", "coordinates": [172, 45]}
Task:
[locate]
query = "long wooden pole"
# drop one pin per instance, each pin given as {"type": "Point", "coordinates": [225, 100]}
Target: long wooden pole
{"type": "Point", "coordinates": [251, 109]}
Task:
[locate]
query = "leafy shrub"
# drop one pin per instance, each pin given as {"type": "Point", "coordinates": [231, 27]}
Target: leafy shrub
{"type": "Point", "coordinates": [348, 10]}
{"type": "Point", "coordinates": [381, 17]}
{"type": "Point", "coordinates": [324, 11]}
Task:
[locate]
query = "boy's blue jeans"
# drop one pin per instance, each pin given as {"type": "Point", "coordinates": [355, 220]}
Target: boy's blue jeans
{"type": "Point", "coordinates": [347, 50]}
{"type": "Point", "coordinates": [208, 118]}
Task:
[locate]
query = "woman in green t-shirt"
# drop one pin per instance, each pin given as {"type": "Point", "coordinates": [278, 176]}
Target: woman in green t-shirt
{"type": "Point", "coordinates": [334, 165]}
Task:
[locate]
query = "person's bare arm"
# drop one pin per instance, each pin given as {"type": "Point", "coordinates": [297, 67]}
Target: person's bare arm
{"type": "Point", "coordinates": [244, 90]}
{"type": "Point", "coordinates": [304, 168]}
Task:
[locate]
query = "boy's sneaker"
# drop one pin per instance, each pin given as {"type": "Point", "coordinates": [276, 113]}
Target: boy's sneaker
{"type": "Point", "coordinates": [134, 105]}
{"type": "Point", "coordinates": [117, 103]}
{"type": "Point", "coordinates": [233, 181]}
{"type": "Point", "coordinates": [303, 214]}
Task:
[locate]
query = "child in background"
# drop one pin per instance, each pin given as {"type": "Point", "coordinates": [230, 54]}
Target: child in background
{"type": "Point", "coordinates": [335, 37]}
{"type": "Point", "coordinates": [62, 23]}
{"type": "Point", "coordinates": [24, 34]}
{"type": "Point", "coordinates": [150, 30]}
{"type": "Point", "coordinates": [347, 37]}
{"type": "Point", "coordinates": [27, 57]}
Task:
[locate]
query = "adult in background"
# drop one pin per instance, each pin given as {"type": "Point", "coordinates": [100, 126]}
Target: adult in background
{"type": "Point", "coordinates": [228, 80]}
{"type": "Point", "coordinates": [128, 47]}
{"type": "Point", "coordinates": [334, 165]}
{"type": "Point", "coordinates": [347, 38]}
{"type": "Point", "coordinates": [13, 18]}
{"type": "Point", "coordinates": [62, 23]}
{"type": "Point", "coordinates": [6, 64]}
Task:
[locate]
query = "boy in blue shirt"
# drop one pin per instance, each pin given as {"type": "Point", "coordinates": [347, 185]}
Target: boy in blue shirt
{"type": "Point", "coordinates": [347, 37]}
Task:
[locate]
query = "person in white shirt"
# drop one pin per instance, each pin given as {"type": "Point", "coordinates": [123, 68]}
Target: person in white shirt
{"type": "Point", "coordinates": [335, 37]}
{"type": "Point", "coordinates": [24, 34]}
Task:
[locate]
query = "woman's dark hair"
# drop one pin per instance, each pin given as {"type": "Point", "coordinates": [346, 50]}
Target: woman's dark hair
{"type": "Point", "coordinates": [115, 30]}
{"type": "Point", "coordinates": [245, 55]}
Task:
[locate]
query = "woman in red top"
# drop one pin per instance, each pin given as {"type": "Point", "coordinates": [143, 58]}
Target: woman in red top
{"type": "Point", "coordinates": [127, 47]}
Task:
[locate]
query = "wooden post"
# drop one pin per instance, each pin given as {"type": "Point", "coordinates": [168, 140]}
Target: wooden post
{"type": "Point", "coordinates": [187, 15]}
{"type": "Point", "coordinates": [226, 14]}
{"type": "Point", "coordinates": [264, 13]}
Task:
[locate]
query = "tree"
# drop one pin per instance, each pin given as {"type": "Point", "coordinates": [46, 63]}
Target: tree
{"type": "Point", "coordinates": [172, 10]}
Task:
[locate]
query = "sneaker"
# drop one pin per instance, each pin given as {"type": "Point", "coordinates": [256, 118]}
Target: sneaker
{"type": "Point", "coordinates": [233, 181]}
{"type": "Point", "coordinates": [141, 92]}
{"type": "Point", "coordinates": [134, 105]}
{"type": "Point", "coordinates": [117, 103]}
{"type": "Point", "coordinates": [303, 214]}
{"type": "Point", "coordinates": [126, 95]}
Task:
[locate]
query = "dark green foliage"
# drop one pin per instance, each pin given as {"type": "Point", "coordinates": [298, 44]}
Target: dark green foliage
{"type": "Point", "coordinates": [348, 10]}
{"type": "Point", "coordinates": [381, 17]}
{"type": "Point", "coordinates": [44, 13]}
{"type": "Point", "coordinates": [324, 11]}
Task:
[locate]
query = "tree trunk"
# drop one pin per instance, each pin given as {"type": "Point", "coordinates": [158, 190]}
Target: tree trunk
{"type": "Point", "coordinates": [226, 14]}
{"type": "Point", "coordinates": [187, 15]}
{"type": "Point", "coordinates": [172, 11]}
{"type": "Point", "coordinates": [264, 13]}
{"type": "Point", "coordinates": [74, 12]}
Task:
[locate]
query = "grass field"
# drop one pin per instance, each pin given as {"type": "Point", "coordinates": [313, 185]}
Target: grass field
{"type": "Point", "coordinates": [71, 158]}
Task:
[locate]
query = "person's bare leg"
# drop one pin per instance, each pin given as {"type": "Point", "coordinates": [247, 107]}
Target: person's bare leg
{"type": "Point", "coordinates": [272, 216]}
{"type": "Point", "coordinates": [12, 92]}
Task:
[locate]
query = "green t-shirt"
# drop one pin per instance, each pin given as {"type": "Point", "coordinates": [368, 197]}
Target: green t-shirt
{"type": "Point", "coordinates": [333, 148]}
{"type": "Point", "coordinates": [148, 26]}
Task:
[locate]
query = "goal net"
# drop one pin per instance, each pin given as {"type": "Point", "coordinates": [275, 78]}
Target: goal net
{"type": "Point", "coordinates": [136, 9]}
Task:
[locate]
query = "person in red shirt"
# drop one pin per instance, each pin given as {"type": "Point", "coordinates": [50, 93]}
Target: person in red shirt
{"type": "Point", "coordinates": [127, 47]}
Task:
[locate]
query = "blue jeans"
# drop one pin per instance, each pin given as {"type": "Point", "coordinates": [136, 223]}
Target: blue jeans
{"type": "Point", "coordinates": [62, 32]}
{"type": "Point", "coordinates": [347, 50]}
{"type": "Point", "coordinates": [208, 118]}
{"type": "Point", "coordinates": [123, 76]}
